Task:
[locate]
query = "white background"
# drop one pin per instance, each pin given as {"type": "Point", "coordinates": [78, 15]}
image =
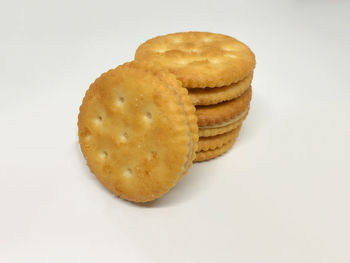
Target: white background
{"type": "Point", "coordinates": [280, 195]}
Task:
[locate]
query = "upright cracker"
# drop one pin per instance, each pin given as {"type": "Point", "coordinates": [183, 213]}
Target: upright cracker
{"type": "Point", "coordinates": [200, 59]}
{"type": "Point", "coordinates": [220, 113]}
{"type": "Point", "coordinates": [134, 134]}
{"type": "Point", "coordinates": [210, 96]}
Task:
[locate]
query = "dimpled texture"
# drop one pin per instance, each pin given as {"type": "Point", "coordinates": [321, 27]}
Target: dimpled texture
{"type": "Point", "coordinates": [223, 112]}
{"type": "Point", "coordinates": [213, 142]}
{"type": "Point", "coordinates": [182, 93]}
{"type": "Point", "coordinates": [200, 59]}
{"type": "Point", "coordinates": [210, 96]}
{"type": "Point", "coordinates": [211, 154]}
{"type": "Point", "coordinates": [134, 134]}
{"type": "Point", "coordinates": [206, 132]}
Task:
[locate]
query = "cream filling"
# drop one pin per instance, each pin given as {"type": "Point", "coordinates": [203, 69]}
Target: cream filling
{"type": "Point", "coordinates": [225, 123]}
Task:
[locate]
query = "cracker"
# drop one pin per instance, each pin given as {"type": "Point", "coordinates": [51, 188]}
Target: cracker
{"type": "Point", "coordinates": [209, 96]}
{"type": "Point", "coordinates": [212, 131]}
{"type": "Point", "coordinates": [211, 154]}
{"type": "Point", "coordinates": [134, 134]}
{"type": "Point", "coordinates": [200, 59]}
{"type": "Point", "coordinates": [213, 142]}
{"type": "Point", "coordinates": [223, 112]}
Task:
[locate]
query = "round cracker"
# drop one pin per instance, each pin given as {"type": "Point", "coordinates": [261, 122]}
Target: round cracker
{"type": "Point", "coordinates": [213, 142]}
{"type": "Point", "coordinates": [223, 112]}
{"type": "Point", "coordinates": [134, 134]}
{"type": "Point", "coordinates": [210, 96]}
{"type": "Point", "coordinates": [200, 59]}
{"type": "Point", "coordinates": [211, 154]}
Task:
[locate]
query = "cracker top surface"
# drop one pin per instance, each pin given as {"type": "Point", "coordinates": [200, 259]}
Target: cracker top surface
{"type": "Point", "coordinates": [134, 134]}
{"type": "Point", "coordinates": [200, 59]}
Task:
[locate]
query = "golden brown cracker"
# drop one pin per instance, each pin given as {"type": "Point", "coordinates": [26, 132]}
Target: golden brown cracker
{"type": "Point", "coordinates": [212, 131]}
{"type": "Point", "coordinates": [134, 134]}
{"type": "Point", "coordinates": [200, 59]}
{"type": "Point", "coordinates": [220, 113]}
{"type": "Point", "coordinates": [213, 142]}
{"type": "Point", "coordinates": [209, 96]}
{"type": "Point", "coordinates": [211, 154]}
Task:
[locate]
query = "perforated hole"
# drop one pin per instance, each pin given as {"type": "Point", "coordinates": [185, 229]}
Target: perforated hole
{"type": "Point", "coordinates": [161, 50]}
{"type": "Point", "coordinates": [228, 48]}
{"type": "Point", "coordinates": [103, 154]}
{"type": "Point", "coordinates": [230, 55]}
{"type": "Point", "coordinates": [124, 137]}
{"type": "Point", "coordinates": [128, 172]}
{"type": "Point", "coordinates": [177, 40]}
{"type": "Point", "coordinates": [182, 62]}
{"type": "Point", "coordinates": [207, 40]}
{"type": "Point", "coordinates": [190, 49]}
{"type": "Point", "coordinates": [120, 100]}
{"type": "Point", "coordinates": [99, 119]}
{"type": "Point", "coordinates": [88, 137]}
{"type": "Point", "coordinates": [152, 155]}
{"type": "Point", "coordinates": [215, 60]}
{"type": "Point", "coordinates": [148, 115]}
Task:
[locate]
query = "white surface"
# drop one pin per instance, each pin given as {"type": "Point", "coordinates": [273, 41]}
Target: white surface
{"type": "Point", "coordinates": [280, 195]}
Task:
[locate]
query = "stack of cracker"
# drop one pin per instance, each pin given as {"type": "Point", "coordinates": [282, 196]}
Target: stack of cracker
{"type": "Point", "coordinates": [184, 98]}
{"type": "Point", "coordinates": [217, 71]}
